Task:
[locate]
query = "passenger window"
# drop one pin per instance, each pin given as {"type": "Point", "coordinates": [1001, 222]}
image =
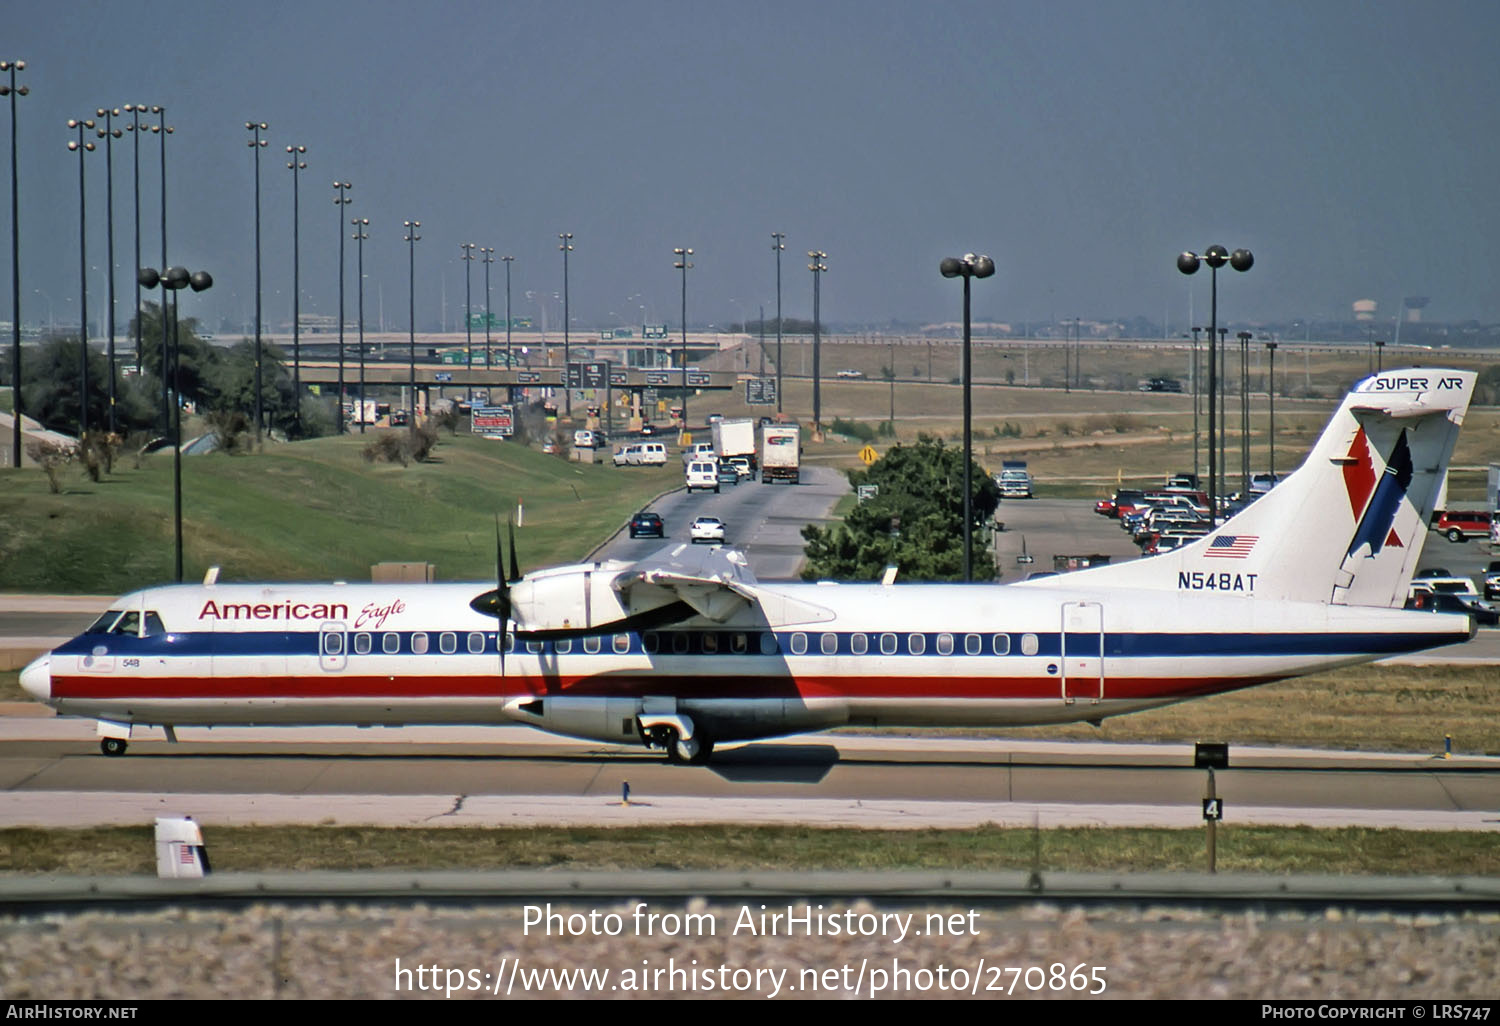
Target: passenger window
{"type": "Point", "coordinates": [887, 644]}
{"type": "Point", "coordinates": [710, 643]}
{"type": "Point", "coordinates": [916, 644]}
{"type": "Point", "coordinates": [1000, 644]}
{"type": "Point", "coordinates": [859, 644]}
{"type": "Point", "coordinates": [768, 644]}
{"type": "Point", "coordinates": [1029, 644]}
{"type": "Point", "coordinates": [390, 643]}
{"type": "Point", "coordinates": [973, 644]}
{"type": "Point", "coordinates": [476, 643]}
{"type": "Point", "coordinates": [622, 643]}
{"type": "Point", "coordinates": [534, 647]}
{"type": "Point", "coordinates": [153, 625]}
{"type": "Point", "coordinates": [740, 644]}
{"type": "Point", "coordinates": [419, 643]}
{"type": "Point", "coordinates": [591, 645]}
{"type": "Point", "coordinates": [679, 642]}
{"type": "Point", "coordinates": [830, 644]}
{"type": "Point", "coordinates": [945, 644]}
{"type": "Point", "coordinates": [362, 644]}
{"type": "Point", "coordinates": [799, 644]}
{"type": "Point", "coordinates": [651, 642]}
{"type": "Point", "coordinates": [562, 646]}
{"type": "Point", "coordinates": [447, 643]}
{"type": "Point", "coordinates": [333, 643]}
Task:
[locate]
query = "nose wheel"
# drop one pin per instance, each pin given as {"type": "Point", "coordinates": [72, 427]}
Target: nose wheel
{"type": "Point", "coordinates": [112, 746]}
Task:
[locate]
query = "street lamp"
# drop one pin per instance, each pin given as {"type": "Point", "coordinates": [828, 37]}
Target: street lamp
{"type": "Point", "coordinates": [12, 90]}
{"type": "Point", "coordinates": [342, 199]}
{"type": "Point", "coordinates": [510, 393]}
{"type": "Point", "coordinates": [109, 133]}
{"type": "Point", "coordinates": [970, 266]}
{"type": "Point", "coordinates": [487, 259]}
{"type": "Point", "coordinates": [817, 267]}
{"type": "Point", "coordinates": [173, 279]}
{"type": "Point", "coordinates": [778, 245]}
{"type": "Point", "coordinates": [163, 129]}
{"type": "Point", "coordinates": [411, 238]}
{"type": "Point", "coordinates": [468, 259]}
{"type": "Point", "coordinates": [297, 165]}
{"type": "Point", "coordinates": [683, 264]}
{"type": "Point", "coordinates": [360, 235]}
{"type": "Point", "coordinates": [1197, 402]}
{"type": "Point", "coordinates": [135, 110]}
{"type": "Point", "coordinates": [83, 281]}
{"type": "Point", "coordinates": [256, 144]}
{"type": "Point", "coordinates": [1188, 262]}
{"type": "Point", "coordinates": [1271, 397]}
{"type": "Point", "coordinates": [566, 247]}
{"type": "Point", "coordinates": [1244, 337]}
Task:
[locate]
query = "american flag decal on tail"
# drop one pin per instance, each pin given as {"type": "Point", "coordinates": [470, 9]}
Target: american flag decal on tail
{"type": "Point", "coordinates": [1232, 546]}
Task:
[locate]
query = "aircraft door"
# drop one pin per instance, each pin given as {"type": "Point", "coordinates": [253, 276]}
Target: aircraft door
{"type": "Point", "coordinates": [333, 647]}
{"type": "Point", "coordinates": [1082, 652]}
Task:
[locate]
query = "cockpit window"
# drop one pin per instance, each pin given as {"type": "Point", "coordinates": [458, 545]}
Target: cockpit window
{"type": "Point", "coordinates": [130, 623]}
{"type": "Point", "coordinates": [103, 624]}
{"type": "Point", "coordinates": [154, 626]}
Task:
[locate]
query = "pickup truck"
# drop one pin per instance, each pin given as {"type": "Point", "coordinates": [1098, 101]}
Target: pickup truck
{"type": "Point", "coordinates": [1460, 525]}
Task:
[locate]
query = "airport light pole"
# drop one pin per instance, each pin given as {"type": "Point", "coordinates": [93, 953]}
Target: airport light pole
{"type": "Point", "coordinates": [970, 266]}
{"type": "Point", "coordinates": [1271, 397]}
{"type": "Point", "coordinates": [468, 259]}
{"type": "Point", "coordinates": [13, 91]}
{"type": "Point", "coordinates": [256, 144]}
{"type": "Point", "coordinates": [1197, 402]}
{"type": "Point", "coordinates": [509, 361]}
{"type": "Point", "coordinates": [817, 267]}
{"type": "Point", "coordinates": [171, 280]}
{"type": "Point", "coordinates": [487, 259]}
{"type": "Point", "coordinates": [1244, 337]}
{"type": "Point", "coordinates": [411, 238]}
{"type": "Point", "coordinates": [81, 147]}
{"type": "Point", "coordinates": [683, 264]}
{"type": "Point", "coordinates": [1188, 262]}
{"type": "Point", "coordinates": [297, 165]}
{"type": "Point", "coordinates": [163, 129]}
{"type": "Point", "coordinates": [779, 244]}
{"type": "Point", "coordinates": [341, 199]}
{"type": "Point", "coordinates": [1379, 355]}
{"type": "Point", "coordinates": [109, 133]}
{"type": "Point", "coordinates": [566, 247]}
{"type": "Point", "coordinates": [360, 235]}
{"type": "Point", "coordinates": [134, 128]}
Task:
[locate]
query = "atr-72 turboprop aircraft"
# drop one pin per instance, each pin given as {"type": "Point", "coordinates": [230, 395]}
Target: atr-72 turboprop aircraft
{"type": "Point", "coordinates": [685, 649]}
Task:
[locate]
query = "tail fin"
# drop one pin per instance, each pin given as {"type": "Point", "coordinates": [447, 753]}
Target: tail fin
{"type": "Point", "coordinates": [1348, 526]}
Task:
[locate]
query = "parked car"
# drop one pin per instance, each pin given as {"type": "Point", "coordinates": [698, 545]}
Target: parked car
{"type": "Point", "coordinates": [849, 373]}
{"type": "Point", "coordinates": [1459, 525]}
{"type": "Point", "coordinates": [1484, 613]}
{"type": "Point", "coordinates": [707, 529]}
{"type": "Point", "coordinates": [649, 524]}
{"type": "Point", "coordinates": [1492, 580]}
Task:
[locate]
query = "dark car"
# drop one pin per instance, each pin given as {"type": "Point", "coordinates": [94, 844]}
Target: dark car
{"type": "Point", "coordinates": [648, 524]}
{"type": "Point", "coordinates": [648, 430]}
{"type": "Point", "coordinates": [1484, 613]}
{"type": "Point", "coordinates": [728, 474]}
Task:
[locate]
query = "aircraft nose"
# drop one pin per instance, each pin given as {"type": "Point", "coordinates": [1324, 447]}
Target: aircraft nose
{"type": "Point", "coordinates": [36, 679]}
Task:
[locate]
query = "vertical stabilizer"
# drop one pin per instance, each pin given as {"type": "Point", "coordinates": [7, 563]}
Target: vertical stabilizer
{"type": "Point", "coordinates": [1349, 525]}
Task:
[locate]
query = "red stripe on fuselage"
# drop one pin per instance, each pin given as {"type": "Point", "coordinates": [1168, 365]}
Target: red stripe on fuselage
{"type": "Point", "coordinates": [634, 686]}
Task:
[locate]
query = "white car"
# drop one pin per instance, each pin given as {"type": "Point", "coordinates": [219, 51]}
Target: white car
{"type": "Point", "coordinates": [707, 529]}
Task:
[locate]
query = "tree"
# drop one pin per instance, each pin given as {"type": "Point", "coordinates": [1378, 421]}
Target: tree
{"type": "Point", "coordinates": [915, 522]}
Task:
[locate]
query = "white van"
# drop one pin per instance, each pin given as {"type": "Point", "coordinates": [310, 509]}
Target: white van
{"type": "Point", "coordinates": [702, 474]}
{"type": "Point", "coordinates": [698, 451]}
{"type": "Point", "coordinates": [641, 454]}
{"type": "Point", "coordinates": [583, 439]}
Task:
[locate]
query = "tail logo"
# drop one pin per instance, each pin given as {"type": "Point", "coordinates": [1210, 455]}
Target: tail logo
{"type": "Point", "coordinates": [1376, 503]}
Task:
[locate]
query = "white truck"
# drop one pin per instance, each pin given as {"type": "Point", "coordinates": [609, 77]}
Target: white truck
{"type": "Point", "coordinates": [781, 452]}
{"type": "Point", "coordinates": [735, 438]}
{"type": "Point", "coordinates": [1014, 480]}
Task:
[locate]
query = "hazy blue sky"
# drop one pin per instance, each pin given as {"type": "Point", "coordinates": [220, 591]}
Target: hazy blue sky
{"type": "Point", "coordinates": [1351, 145]}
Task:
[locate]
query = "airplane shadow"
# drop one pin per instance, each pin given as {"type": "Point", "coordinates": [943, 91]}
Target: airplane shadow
{"type": "Point", "coordinates": [775, 763]}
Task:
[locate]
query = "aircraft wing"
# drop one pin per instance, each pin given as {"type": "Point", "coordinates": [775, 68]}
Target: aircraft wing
{"type": "Point", "coordinates": [715, 582]}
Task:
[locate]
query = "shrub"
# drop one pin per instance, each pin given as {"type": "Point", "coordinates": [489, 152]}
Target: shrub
{"type": "Point", "coordinates": [52, 457]}
{"type": "Point", "coordinates": [231, 428]}
{"type": "Point", "coordinates": [387, 447]}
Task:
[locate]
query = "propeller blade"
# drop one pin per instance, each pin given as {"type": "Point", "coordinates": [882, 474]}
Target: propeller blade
{"type": "Point", "coordinates": [515, 568]}
{"type": "Point", "coordinates": [502, 594]}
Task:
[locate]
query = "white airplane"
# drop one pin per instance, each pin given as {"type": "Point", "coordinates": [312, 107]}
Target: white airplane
{"type": "Point", "coordinates": [685, 649]}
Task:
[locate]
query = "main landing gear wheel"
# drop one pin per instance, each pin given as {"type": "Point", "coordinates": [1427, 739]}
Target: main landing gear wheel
{"type": "Point", "coordinates": [693, 752]}
{"type": "Point", "coordinates": [112, 746]}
